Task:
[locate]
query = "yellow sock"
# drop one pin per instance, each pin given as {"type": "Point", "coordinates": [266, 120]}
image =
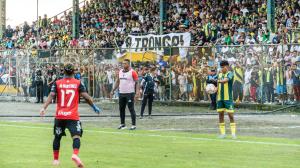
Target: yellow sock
{"type": "Point", "coordinates": [222, 128]}
{"type": "Point", "coordinates": [233, 128]}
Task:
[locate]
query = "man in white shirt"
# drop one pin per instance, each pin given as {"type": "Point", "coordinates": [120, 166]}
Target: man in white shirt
{"type": "Point", "coordinates": [247, 83]}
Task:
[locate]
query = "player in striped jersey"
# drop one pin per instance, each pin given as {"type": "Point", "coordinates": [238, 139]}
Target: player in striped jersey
{"type": "Point", "coordinates": [225, 98]}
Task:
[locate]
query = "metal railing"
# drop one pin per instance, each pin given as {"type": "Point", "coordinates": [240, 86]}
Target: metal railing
{"type": "Point", "coordinates": [182, 72]}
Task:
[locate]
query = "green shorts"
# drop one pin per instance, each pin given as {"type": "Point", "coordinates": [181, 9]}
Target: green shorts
{"type": "Point", "coordinates": [225, 106]}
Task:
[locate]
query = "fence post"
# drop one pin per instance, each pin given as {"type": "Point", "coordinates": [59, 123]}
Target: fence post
{"type": "Point", "coordinates": [170, 75]}
{"type": "Point", "coordinates": [94, 79]}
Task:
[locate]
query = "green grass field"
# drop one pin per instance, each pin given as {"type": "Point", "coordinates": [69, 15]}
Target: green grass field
{"type": "Point", "coordinates": [28, 145]}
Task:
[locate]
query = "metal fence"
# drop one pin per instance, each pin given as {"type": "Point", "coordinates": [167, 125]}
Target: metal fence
{"type": "Point", "coordinates": [181, 72]}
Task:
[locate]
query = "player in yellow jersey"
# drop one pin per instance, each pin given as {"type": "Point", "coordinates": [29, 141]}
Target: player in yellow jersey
{"type": "Point", "coordinates": [225, 99]}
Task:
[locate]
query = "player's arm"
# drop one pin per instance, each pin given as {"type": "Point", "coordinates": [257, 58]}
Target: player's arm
{"type": "Point", "coordinates": [227, 78]}
{"type": "Point", "coordinates": [88, 98]}
{"type": "Point", "coordinates": [137, 85]}
{"type": "Point", "coordinates": [49, 100]}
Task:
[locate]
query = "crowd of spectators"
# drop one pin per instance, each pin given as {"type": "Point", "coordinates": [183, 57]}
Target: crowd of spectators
{"type": "Point", "coordinates": [105, 24]}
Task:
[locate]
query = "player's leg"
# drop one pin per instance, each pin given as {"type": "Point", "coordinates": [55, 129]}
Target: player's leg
{"type": "Point", "coordinates": [130, 105]}
{"type": "Point", "coordinates": [221, 110]}
{"type": "Point", "coordinates": [58, 131]}
{"type": "Point", "coordinates": [150, 101]}
{"type": "Point", "coordinates": [230, 111]}
{"type": "Point", "coordinates": [232, 125]}
{"type": "Point", "coordinates": [122, 107]}
{"type": "Point", "coordinates": [76, 131]}
{"type": "Point", "coordinates": [144, 103]}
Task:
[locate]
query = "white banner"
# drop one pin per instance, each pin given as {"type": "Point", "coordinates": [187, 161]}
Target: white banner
{"type": "Point", "coordinates": [156, 42]}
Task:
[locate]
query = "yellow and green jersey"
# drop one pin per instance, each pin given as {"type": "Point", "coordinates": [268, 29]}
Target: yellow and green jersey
{"type": "Point", "coordinates": [280, 79]}
{"type": "Point", "coordinates": [225, 89]}
{"type": "Point", "coordinates": [238, 74]}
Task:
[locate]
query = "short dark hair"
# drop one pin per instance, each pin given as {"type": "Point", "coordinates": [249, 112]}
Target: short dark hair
{"type": "Point", "coordinates": [69, 69]}
{"type": "Point", "coordinates": [224, 63]}
{"type": "Point", "coordinates": [127, 60]}
{"type": "Point", "coordinates": [152, 69]}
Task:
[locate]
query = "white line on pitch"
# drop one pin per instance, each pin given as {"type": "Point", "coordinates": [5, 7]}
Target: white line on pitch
{"type": "Point", "coordinates": [167, 136]}
{"type": "Point", "coordinates": [239, 128]}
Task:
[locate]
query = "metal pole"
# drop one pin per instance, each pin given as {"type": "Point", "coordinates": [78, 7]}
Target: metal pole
{"type": "Point", "coordinates": [161, 16]}
{"type": "Point", "coordinates": [37, 19]}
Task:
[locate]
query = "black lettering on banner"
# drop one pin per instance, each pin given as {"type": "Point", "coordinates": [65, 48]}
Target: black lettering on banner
{"type": "Point", "coordinates": [181, 39]}
{"type": "Point", "coordinates": [157, 43]}
{"type": "Point", "coordinates": [151, 43]}
{"type": "Point", "coordinates": [137, 43]}
{"type": "Point", "coordinates": [165, 41]}
{"type": "Point", "coordinates": [175, 41]}
{"type": "Point", "coordinates": [144, 44]}
{"type": "Point", "coordinates": [128, 42]}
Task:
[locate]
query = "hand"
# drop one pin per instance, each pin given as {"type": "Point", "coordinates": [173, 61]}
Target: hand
{"type": "Point", "coordinates": [111, 95]}
{"type": "Point", "coordinates": [96, 109]}
{"type": "Point", "coordinates": [136, 97]}
{"type": "Point", "coordinates": [42, 112]}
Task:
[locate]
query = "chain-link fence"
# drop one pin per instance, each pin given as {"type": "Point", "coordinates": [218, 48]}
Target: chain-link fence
{"type": "Point", "coordinates": [263, 73]}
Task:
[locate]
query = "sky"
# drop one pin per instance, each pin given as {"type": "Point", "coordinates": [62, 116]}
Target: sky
{"type": "Point", "coordinates": [18, 11]}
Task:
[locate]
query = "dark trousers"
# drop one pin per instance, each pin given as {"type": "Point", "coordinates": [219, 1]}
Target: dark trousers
{"type": "Point", "coordinates": [269, 91]}
{"type": "Point", "coordinates": [147, 98]}
{"type": "Point", "coordinates": [39, 93]}
{"type": "Point", "coordinates": [213, 98]}
{"type": "Point", "coordinates": [237, 90]}
{"type": "Point", "coordinates": [127, 99]}
{"type": "Point", "coordinates": [297, 92]}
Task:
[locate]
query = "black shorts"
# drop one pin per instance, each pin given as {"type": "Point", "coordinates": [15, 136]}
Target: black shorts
{"type": "Point", "coordinates": [74, 126]}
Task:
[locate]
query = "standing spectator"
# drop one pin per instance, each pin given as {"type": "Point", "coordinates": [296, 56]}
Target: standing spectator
{"type": "Point", "coordinates": [45, 22]}
{"type": "Point", "coordinates": [148, 88]}
{"type": "Point", "coordinates": [182, 80]}
{"type": "Point", "coordinates": [110, 80]}
{"type": "Point", "coordinates": [247, 84]}
{"type": "Point", "coordinates": [212, 78]}
{"type": "Point", "coordinates": [238, 82]}
{"type": "Point", "coordinates": [161, 84]}
{"type": "Point", "coordinates": [280, 82]}
{"type": "Point", "coordinates": [253, 84]}
{"type": "Point", "coordinates": [39, 86]}
{"type": "Point", "coordinates": [9, 32]}
{"type": "Point", "coordinates": [269, 83]}
{"type": "Point", "coordinates": [127, 82]}
{"type": "Point", "coordinates": [289, 84]}
{"type": "Point", "coordinates": [296, 81]}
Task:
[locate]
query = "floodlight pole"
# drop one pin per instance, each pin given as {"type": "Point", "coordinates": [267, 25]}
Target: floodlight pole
{"type": "Point", "coordinates": [75, 19]}
{"type": "Point", "coordinates": [161, 16]}
{"type": "Point", "coordinates": [37, 20]}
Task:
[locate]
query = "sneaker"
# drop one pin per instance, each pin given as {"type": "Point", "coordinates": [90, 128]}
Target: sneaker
{"type": "Point", "coordinates": [234, 136]}
{"type": "Point", "coordinates": [55, 162]}
{"type": "Point", "coordinates": [77, 161]}
{"type": "Point", "coordinates": [222, 136]}
{"type": "Point", "coordinates": [141, 117]}
{"type": "Point", "coordinates": [132, 127]}
{"type": "Point", "coordinates": [121, 127]}
{"type": "Point", "coordinates": [150, 116]}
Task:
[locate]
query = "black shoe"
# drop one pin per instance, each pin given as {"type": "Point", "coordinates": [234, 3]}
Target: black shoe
{"type": "Point", "coordinates": [122, 126]}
